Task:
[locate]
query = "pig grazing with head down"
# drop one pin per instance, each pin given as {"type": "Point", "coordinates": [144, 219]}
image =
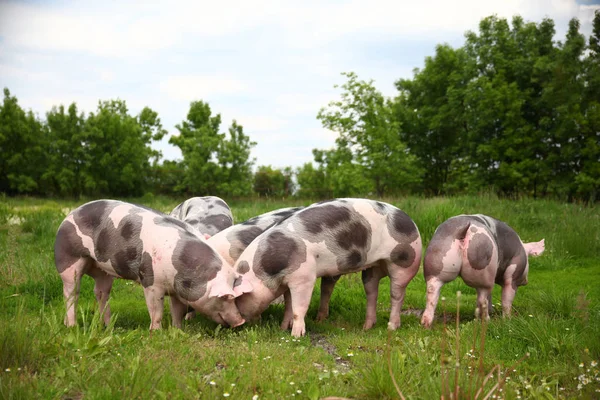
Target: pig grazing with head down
{"type": "Point", "coordinates": [107, 239]}
{"type": "Point", "coordinates": [231, 242]}
{"type": "Point", "coordinates": [208, 215]}
{"type": "Point", "coordinates": [330, 239]}
{"type": "Point", "coordinates": [483, 251]}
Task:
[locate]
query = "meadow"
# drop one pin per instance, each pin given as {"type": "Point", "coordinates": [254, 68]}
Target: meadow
{"type": "Point", "coordinates": [549, 349]}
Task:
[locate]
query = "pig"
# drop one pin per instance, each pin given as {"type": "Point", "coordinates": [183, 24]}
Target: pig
{"type": "Point", "coordinates": [328, 239]}
{"type": "Point", "coordinates": [109, 239]}
{"type": "Point", "coordinates": [482, 250]}
{"type": "Point", "coordinates": [231, 242]}
{"type": "Point", "coordinates": [208, 215]}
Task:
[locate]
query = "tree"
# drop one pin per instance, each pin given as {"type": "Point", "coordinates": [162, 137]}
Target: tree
{"type": "Point", "coordinates": [22, 144]}
{"type": "Point", "coordinates": [211, 163]}
{"type": "Point", "coordinates": [369, 135]}
{"type": "Point", "coordinates": [117, 148]}
{"type": "Point", "coordinates": [273, 182]}
{"type": "Point", "coordinates": [235, 163]}
{"type": "Point", "coordinates": [311, 182]}
{"type": "Point", "coordinates": [67, 154]}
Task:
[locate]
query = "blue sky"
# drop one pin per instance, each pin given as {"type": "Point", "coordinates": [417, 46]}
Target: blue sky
{"type": "Point", "coordinates": [269, 64]}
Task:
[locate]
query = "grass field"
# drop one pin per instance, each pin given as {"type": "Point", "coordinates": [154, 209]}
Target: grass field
{"type": "Point", "coordinates": [556, 323]}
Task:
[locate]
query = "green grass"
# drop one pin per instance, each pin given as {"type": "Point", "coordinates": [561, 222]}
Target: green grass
{"type": "Point", "coordinates": [556, 322]}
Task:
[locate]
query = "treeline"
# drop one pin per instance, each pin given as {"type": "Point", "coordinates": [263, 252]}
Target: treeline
{"type": "Point", "coordinates": [511, 111]}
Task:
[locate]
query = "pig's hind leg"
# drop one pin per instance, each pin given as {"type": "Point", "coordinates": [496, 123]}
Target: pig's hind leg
{"type": "Point", "coordinates": [288, 314]}
{"type": "Point", "coordinates": [371, 277]}
{"type": "Point", "coordinates": [102, 287]}
{"type": "Point", "coordinates": [71, 277]}
{"type": "Point", "coordinates": [399, 279]}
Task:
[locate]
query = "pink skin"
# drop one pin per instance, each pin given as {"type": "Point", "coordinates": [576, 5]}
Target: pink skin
{"type": "Point", "coordinates": [218, 302]}
{"type": "Point", "coordinates": [455, 262]}
{"type": "Point", "coordinates": [301, 282]}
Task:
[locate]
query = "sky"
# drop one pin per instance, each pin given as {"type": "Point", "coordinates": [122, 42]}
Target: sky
{"type": "Point", "coordinates": [270, 65]}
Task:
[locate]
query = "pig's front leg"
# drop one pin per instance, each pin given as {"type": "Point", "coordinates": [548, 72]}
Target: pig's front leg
{"type": "Point", "coordinates": [371, 278]}
{"type": "Point", "coordinates": [288, 314]}
{"type": "Point", "coordinates": [327, 285]}
{"type": "Point", "coordinates": [301, 287]}
{"type": "Point", "coordinates": [155, 301]}
{"type": "Point", "coordinates": [178, 311]}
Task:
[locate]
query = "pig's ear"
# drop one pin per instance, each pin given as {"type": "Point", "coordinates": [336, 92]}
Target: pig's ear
{"type": "Point", "coordinates": [206, 236]}
{"type": "Point", "coordinates": [535, 248]}
{"type": "Point", "coordinates": [221, 289]}
{"type": "Point", "coordinates": [241, 286]}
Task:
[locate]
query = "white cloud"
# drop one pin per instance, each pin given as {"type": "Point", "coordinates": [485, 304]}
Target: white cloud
{"type": "Point", "coordinates": [190, 88]}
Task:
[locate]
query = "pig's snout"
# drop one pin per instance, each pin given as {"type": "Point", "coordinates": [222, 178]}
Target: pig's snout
{"type": "Point", "coordinates": [239, 324]}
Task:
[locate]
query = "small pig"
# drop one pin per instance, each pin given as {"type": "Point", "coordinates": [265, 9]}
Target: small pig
{"type": "Point", "coordinates": [231, 242]}
{"type": "Point", "coordinates": [482, 250]}
{"type": "Point", "coordinates": [329, 239]}
{"type": "Point", "coordinates": [107, 239]}
{"type": "Point", "coordinates": [208, 215]}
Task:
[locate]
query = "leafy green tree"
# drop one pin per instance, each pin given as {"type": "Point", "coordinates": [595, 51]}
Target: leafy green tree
{"type": "Point", "coordinates": [273, 182]}
{"type": "Point", "coordinates": [369, 137]}
{"type": "Point", "coordinates": [68, 158]}
{"type": "Point", "coordinates": [23, 141]}
{"type": "Point", "coordinates": [211, 163]}
{"type": "Point", "coordinates": [118, 151]}
{"type": "Point", "coordinates": [235, 163]}
{"type": "Point", "coordinates": [311, 182]}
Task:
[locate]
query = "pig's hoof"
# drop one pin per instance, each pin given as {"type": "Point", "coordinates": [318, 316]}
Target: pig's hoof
{"type": "Point", "coordinates": [392, 326]}
{"type": "Point", "coordinates": [189, 316]}
{"type": "Point", "coordinates": [298, 331]}
{"type": "Point", "coordinates": [368, 325]}
{"type": "Point", "coordinates": [322, 316]}
{"type": "Point", "coordinates": [426, 322]}
{"type": "Point", "coordinates": [285, 325]}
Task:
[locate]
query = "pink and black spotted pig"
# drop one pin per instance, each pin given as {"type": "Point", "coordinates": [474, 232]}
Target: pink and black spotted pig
{"type": "Point", "coordinates": [109, 239]}
{"type": "Point", "coordinates": [483, 251]}
{"type": "Point", "coordinates": [329, 239]}
{"type": "Point", "coordinates": [208, 215]}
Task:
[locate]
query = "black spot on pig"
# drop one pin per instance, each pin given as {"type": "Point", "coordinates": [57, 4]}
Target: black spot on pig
{"type": "Point", "coordinates": [355, 234]}
{"type": "Point", "coordinates": [127, 230]}
{"type": "Point", "coordinates": [278, 255]}
{"type": "Point", "coordinates": [221, 203]}
{"type": "Point", "coordinates": [220, 221]}
{"type": "Point", "coordinates": [246, 236]}
{"type": "Point", "coordinates": [91, 215]}
{"type": "Point", "coordinates": [480, 250]}
{"type": "Point", "coordinates": [403, 255]}
{"type": "Point", "coordinates": [400, 222]}
{"type": "Point", "coordinates": [196, 264]}
{"type": "Point", "coordinates": [316, 219]}
{"type": "Point", "coordinates": [68, 247]}
{"type": "Point", "coordinates": [146, 272]}
{"type": "Point", "coordinates": [243, 267]}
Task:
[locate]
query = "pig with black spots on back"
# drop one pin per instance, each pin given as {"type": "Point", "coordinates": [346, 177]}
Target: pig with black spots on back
{"type": "Point", "coordinates": [109, 239]}
{"type": "Point", "coordinates": [208, 215]}
{"type": "Point", "coordinates": [483, 251]}
{"type": "Point", "coordinates": [231, 242]}
{"type": "Point", "coordinates": [329, 239]}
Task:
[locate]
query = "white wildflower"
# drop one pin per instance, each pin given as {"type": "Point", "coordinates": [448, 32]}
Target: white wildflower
{"type": "Point", "coordinates": [212, 383]}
